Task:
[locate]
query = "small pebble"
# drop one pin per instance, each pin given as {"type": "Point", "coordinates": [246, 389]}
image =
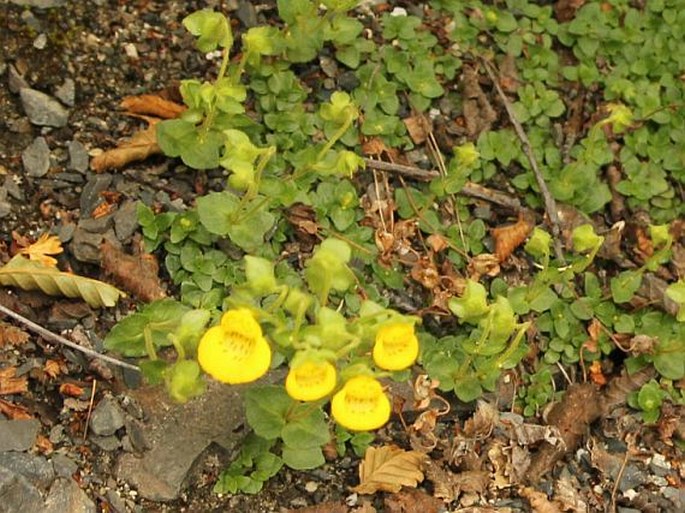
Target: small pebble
{"type": "Point", "coordinates": [311, 486]}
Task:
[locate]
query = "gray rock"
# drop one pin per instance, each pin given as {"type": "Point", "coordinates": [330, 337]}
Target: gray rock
{"type": "Point", "coordinates": [175, 440]}
{"type": "Point", "coordinates": [64, 466]}
{"type": "Point", "coordinates": [85, 245]}
{"type": "Point", "coordinates": [99, 225]}
{"type": "Point", "coordinates": [65, 495]}
{"type": "Point", "coordinates": [632, 478]}
{"type": "Point", "coordinates": [90, 197]}
{"type": "Point", "coordinates": [41, 4]}
{"type": "Point", "coordinates": [57, 434]}
{"type": "Point", "coordinates": [107, 417]}
{"type": "Point", "coordinates": [16, 80]}
{"type": "Point", "coordinates": [106, 443]}
{"type": "Point", "coordinates": [126, 221]}
{"type": "Point", "coordinates": [18, 494]}
{"type": "Point", "coordinates": [36, 158]}
{"type": "Point", "coordinates": [66, 93]}
{"type": "Point", "coordinates": [43, 110]}
{"type": "Point", "coordinates": [78, 156]}
{"type": "Point", "coordinates": [13, 188]}
{"type": "Point", "coordinates": [40, 42]}
{"type": "Point", "coordinates": [136, 436]}
{"type": "Point", "coordinates": [35, 469]}
{"type": "Point", "coordinates": [247, 14]}
{"type": "Point", "coordinates": [18, 435]}
{"type": "Point", "coordinates": [676, 496]}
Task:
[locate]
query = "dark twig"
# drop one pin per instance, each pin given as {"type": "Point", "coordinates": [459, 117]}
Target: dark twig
{"type": "Point", "coordinates": [550, 203]}
{"type": "Point", "coordinates": [470, 189]}
{"type": "Point", "coordinates": [49, 335]}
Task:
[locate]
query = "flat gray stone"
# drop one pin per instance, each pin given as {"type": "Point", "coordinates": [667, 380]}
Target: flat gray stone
{"type": "Point", "coordinates": [66, 93]}
{"type": "Point", "coordinates": [64, 466]}
{"type": "Point", "coordinates": [16, 80]}
{"type": "Point", "coordinates": [107, 417]}
{"type": "Point", "coordinates": [43, 110]}
{"type": "Point", "coordinates": [78, 156]}
{"type": "Point", "coordinates": [36, 158]}
{"type": "Point", "coordinates": [90, 197]}
{"type": "Point", "coordinates": [18, 494]}
{"type": "Point", "coordinates": [178, 434]}
{"type": "Point", "coordinates": [18, 435]}
{"type": "Point", "coordinates": [36, 469]}
{"type": "Point", "coordinates": [85, 246]}
{"type": "Point", "coordinates": [126, 221]}
{"type": "Point", "coordinates": [65, 495]}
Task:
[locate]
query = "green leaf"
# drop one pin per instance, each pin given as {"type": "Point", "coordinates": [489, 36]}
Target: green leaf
{"type": "Point", "coordinates": [538, 245]}
{"type": "Point", "coordinates": [303, 459]}
{"type": "Point", "coordinates": [585, 239]}
{"type": "Point", "coordinates": [669, 359]}
{"type": "Point", "coordinates": [211, 28]}
{"type": "Point", "coordinates": [259, 275]}
{"type": "Point", "coordinates": [266, 408]}
{"type": "Point", "coordinates": [157, 319]}
{"type": "Point", "coordinates": [184, 380]}
{"type": "Point", "coordinates": [216, 211]}
{"type": "Point", "coordinates": [180, 138]}
{"type": "Point", "coordinates": [625, 285]}
{"type": "Point", "coordinates": [31, 275]}
{"type": "Point", "coordinates": [467, 389]}
{"type": "Point", "coordinates": [308, 431]}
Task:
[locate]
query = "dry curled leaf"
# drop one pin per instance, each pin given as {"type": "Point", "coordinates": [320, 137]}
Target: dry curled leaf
{"type": "Point", "coordinates": [508, 238]}
{"type": "Point", "coordinates": [14, 411]}
{"type": "Point", "coordinates": [52, 368]}
{"type": "Point", "coordinates": [137, 274]}
{"type": "Point", "coordinates": [10, 383]}
{"type": "Point", "coordinates": [539, 501]}
{"type": "Point", "coordinates": [71, 390]}
{"type": "Point", "coordinates": [142, 145]}
{"type": "Point", "coordinates": [25, 274]}
{"type": "Point", "coordinates": [388, 469]}
{"type": "Point", "coordinates": [410, 501]}
{"type": "Point", "coordinates": [448, 485]}
{"type": "Point", "coordinates": [11, 335]}
{"type": "Point", "coordinates": [40, 250]}
{"type": "Point", "coordinates": [152, 105]}
{"type": "Point", "coordinates": [325, 507]}
{"type": "Point", "coordinates": [418, 128]}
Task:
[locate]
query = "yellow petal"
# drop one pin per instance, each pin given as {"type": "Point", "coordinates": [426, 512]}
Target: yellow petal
{"type": "Point", "coordinates": [361, 405]}
{"type": "Point", "coordinates": [310, 380]}
{"type": "Point", "coordinates": [396, 346]}
{"type": "Point", "coordinates": [235, 351]}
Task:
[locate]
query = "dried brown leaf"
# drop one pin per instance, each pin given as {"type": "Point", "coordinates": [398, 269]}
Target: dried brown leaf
{"type": "Point", "coordinates": [43, 444]}
{"type": "Point", "coordinates": [10, 383]}
{"type": "Point", "coordinates": [479, 114]}
{"type": "Point", "coordinates": [566, 494]}
{"type": "Point", "coordinates": [137, 274]}
{"type": "Point", "coordinates": [324, 507]}
{"type": "Point", "coordinates": [41, 249]}
{"type": "Point", "coordinates": [620, 387]}
{"type": "Point", "coordinates": [14, 411]}
{"type": "Point", "coordinates": [388, 469]}
{"type": "Point", "coordinates": [448, 486]}
{"type": "Point", "coordinates": [152, 105]}
{"type": "Point", "coordinates": [71, 390]}
{"type": "Point", "coordinates": [142, 145]}
{"type": "Point", "coordinates": [51, 368]}
{"type": "Point", "coordinates": [418, 128]}
{"type": "Point", "coordinates": [572, 417]}
{"type": "Point", "coordinates": [508, 238]}
{"type": "Point", "coordinates": [538, 501]}
{"type": "Point", "coordinates": [483, 421]}
{"type": "Point", "coordinates": [11, 335]}
{"type": "Point", "coordinates": [410, 501]}
{"type": "Point", "coordinates": [483, 264]}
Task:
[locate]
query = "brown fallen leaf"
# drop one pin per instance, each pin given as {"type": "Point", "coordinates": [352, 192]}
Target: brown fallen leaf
{"type": "Point", "coordinates": [137, 274]}
{"type": "Point", "coordinates": [572, 416]}
{"type": "Point", "coordinates": [71, 390]}
{"type": "Point", "coordinates": [448, 485]}
{"type": "Point", "coordinates": [388, 469]}
{"type": "Point", "coordinates": [140, 146]}
{"type": "Point", "coordinates": [11, 335]}
{"type": "Point", "coordinates": [324, 507]}
{"type": "Point", "coordinates": [418, 128]}
{"type": "Point", "coordinates": [539, 501]}
{"type": "Point", "coordinates": [52, 368]}
{"type": "Point", "coordinates": [479, 115]}
{"type": "Point", "coordinates": [14, 411]}
{"type": "Point", "coordinates": [410, 501]}
{"type": "Point", "coordinates": [621, 386]}
{"type": "Point", "coordinates": [44, 445]}
{"type": "Point", "coordinates": [41, 249]}
{"type": "Point", "coordinates": [152, 105]}
{"type": "Point", "coordinates": [508, 238]}
{"type": "Point", "coordinates": [10, 383]}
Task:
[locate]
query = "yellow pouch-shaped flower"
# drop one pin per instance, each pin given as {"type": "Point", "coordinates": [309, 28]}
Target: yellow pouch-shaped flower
{"type": "Point", "coordinates": [396, 346]}
{"type": "Point", "coordinates": [310, 380]}
{"type": "Point", "coordinates": [361, 405]}
{"type": "Point", "coordinates": [235, 351]}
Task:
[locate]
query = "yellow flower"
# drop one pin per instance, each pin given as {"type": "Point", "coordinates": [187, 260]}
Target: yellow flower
{"type": "Point", "coordinates": [235, 351]}
{"type": "Point", "coordinates": [396, 346]}
{"type": "Point", "coordinates": [361, 405]}
{"type": "Point", "coordinates": [310, 380]}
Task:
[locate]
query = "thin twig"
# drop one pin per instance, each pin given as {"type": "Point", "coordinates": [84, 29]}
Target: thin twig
{"type": "Point", "coordinates": [550, 203]}
{"type": "Point", "coordinates": [90, 408]}
{"type": "Point", "coordinates": [49, 335]}
{"type": "Point", "coordinates": [617, 483]}
{"type": "Point", "coordinates": [470, 189]}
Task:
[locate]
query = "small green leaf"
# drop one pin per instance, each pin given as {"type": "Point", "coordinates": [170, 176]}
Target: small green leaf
{"type": "Point", "coordinates": [625, 285]}
{"type": "Point", "coordinates": [266, 408]}
{"type": "Point", "coordinates": [303, 459]}
{"type": "Point", "coordinates": [305, 432]}
{"type": "Point", "coordinates": [585, 239]}
{"type": "Point", "coordinates": [472, 305]}
{"type": "Point", "coordinates": [216, 211]}
{"type": "Point", "coordinates": [259, 274]}
{"type": "Point", "coordinates": [211, 28]}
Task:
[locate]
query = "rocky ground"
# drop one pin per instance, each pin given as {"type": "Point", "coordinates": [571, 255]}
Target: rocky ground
{"type": "Point", "coordinates": [79, 436]}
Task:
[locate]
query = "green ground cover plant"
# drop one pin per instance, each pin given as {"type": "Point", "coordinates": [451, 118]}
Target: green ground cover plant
{"type": "Point", "coordinates": [329, 312]}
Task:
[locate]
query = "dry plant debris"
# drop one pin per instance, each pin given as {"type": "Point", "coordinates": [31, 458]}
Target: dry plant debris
{"type": "Point", "coordinates": [137, 274]}
{"type": "Point", "coordinates": [388, 469]}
